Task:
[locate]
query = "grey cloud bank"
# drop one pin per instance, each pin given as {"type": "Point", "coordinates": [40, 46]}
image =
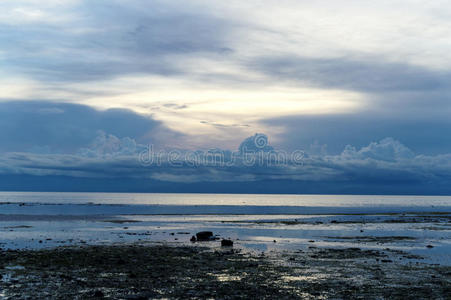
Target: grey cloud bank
{"type": "Point", "coordinates": [58, 146]}
{"type": "Point", "coordinates": [421, 132]}
{"type": "Point", "coordinates": [63, 128]}
{"type": "Point", "coordinates": [113, 164]}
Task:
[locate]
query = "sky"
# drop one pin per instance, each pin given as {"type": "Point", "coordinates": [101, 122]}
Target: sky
{"type": "Point", "coordinates": [326, 96]}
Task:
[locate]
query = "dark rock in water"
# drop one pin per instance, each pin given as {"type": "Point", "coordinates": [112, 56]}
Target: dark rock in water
{"type": "Point", "coordinates": [227, 243]}
{"type": "Point", "coordinates": [204, 236]}
{"type": "Point", "coordinates": [354, 249]}
{"type": "Point", "coordinates": [98, 294]}
{"type": "Point", "coordinates": [430, 246]}
{"type": "Point", "coordinates": [193, 239]}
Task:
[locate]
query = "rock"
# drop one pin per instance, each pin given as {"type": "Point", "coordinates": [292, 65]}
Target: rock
{"type": "Point", "coordinates": [193, 239]}
{"type": "Point", "coordinates": [430, 246]}
{"type": "Point", "coordinates": [98, 294]}
{"type": "Point", "coordinates": [204, 236]}
{"type": "Point", "coordinates": [226, 243]}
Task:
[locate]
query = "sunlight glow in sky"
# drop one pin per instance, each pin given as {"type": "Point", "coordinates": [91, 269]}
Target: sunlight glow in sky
{"type": "Point", "coordinates": [213, 62]}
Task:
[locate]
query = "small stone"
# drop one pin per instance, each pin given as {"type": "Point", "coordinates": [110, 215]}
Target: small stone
{"type": "Point", "coordinates": [429, 246]}
{"type": "Point", "coordinates": [226, 243]}
{"type": "Point", "coordinates": [204, 236]}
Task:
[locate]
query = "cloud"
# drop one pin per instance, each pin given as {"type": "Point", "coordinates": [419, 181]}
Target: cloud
{"type": "Point", "coordinates": [231, 61]}
{"type": "Point", "coordinates": [220, 125]}
{"type": "Point", "coordinates": [103, 40]}
{"type": "Point", "coordinates": [387, 149]}
{"type": "Point", "coordinates": [370, 74]}
{"type": "Point", "coordinates": [256, 143]}
{"type": "Point", "coordinates": [65, 128]}
{"type": "Point", "coordinates": [106, 145]}
{"type": "Point", "coordinates": [420, 132]}
{"type": "Point", "coordinates": [383, 166]}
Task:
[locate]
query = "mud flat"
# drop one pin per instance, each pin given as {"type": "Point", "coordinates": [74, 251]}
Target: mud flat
{"type": "Point", "coordinates": [155, 271]}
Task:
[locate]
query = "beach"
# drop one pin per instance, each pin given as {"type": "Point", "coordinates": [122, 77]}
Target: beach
{"type": "Point", "coordinates": [168, 272]}
{"type": "Point", "coordinates": [63, 246]}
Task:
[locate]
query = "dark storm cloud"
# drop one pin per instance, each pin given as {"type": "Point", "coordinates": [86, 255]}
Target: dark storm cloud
{"type": "Point", "coordinates": [385, 166]}
{"type": "Point", "coordinates": [420, 133]}
{"type": "Point", "coordinates": [372, 74]}
{"type": "Point", "coordinates": [61, 127]}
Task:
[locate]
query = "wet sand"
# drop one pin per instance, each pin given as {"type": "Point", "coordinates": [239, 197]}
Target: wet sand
{"type": "Point", "coordinates": [157, 271]}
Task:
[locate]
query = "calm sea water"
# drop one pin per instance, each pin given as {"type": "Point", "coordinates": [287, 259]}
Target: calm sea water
{"type": "Point", "coordinates": [130, 203]}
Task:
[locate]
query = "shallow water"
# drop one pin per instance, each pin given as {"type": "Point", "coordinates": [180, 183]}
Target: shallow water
{"type": "Point", "coordinates": [263, 223]}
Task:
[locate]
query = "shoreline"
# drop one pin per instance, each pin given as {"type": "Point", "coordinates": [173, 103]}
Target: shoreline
{"type": "Point", "coordinates": [426, 236]}
{"type": "Point", "coordinates": [164, 270]}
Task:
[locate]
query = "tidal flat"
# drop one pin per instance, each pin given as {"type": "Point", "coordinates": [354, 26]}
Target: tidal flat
{"type": "Point", "coordinates": [164, 271]}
